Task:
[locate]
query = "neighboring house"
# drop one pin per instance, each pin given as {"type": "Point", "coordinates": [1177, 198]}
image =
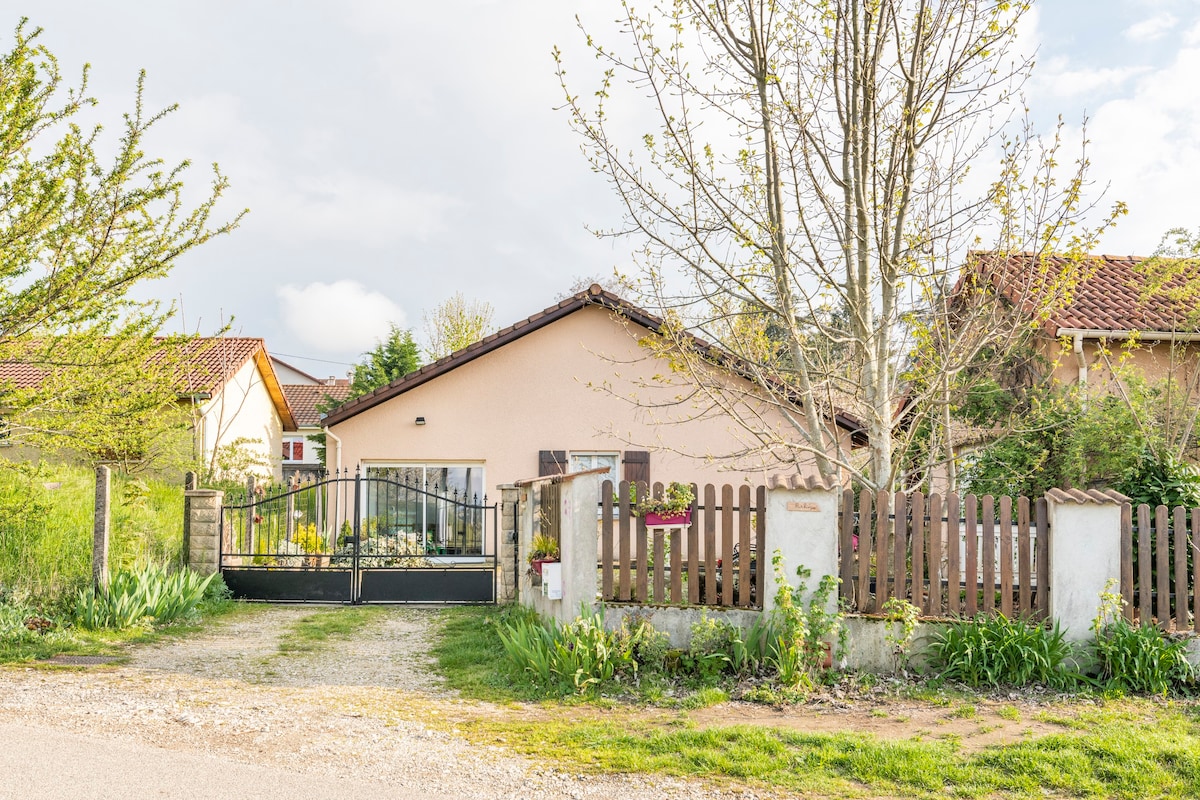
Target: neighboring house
{"type": "Point", "coordinates": [301, 455]}
{"type": "Point", "coordinates": [552, 393]}
{"type": "Point", "coordinates": [1102, 315]}
{"type": "Point", "coordinates": [239, 402]}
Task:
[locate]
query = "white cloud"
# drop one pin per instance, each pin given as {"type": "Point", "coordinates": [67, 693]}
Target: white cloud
{"type": "Point", "coordinates": [1191, 36]}
{"type": "Point", "coordinates": [1146, 146]}
{"type": "Point", "coordinates": [338, 317]}
{"type": "Point", "coordinates": [1150, 29]}
{"type": "Point", "coordinates": [1055, 78]}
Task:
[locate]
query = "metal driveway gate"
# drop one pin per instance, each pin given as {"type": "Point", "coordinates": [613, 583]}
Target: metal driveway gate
{"type": "Point", "coordinates": [358, 539]}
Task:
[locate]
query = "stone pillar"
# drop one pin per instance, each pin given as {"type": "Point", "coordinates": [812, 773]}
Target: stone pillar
{"type": "Point", "coordinates": [204, 529]}
{"type": "Point", "coordinates": [802, 524]}
{"type": "Point", "coordinates": [507, 567]}
{"type": "Point", "coordinates": [101, 527]}
{"type": "Point", "coordinates": [1085, 554]}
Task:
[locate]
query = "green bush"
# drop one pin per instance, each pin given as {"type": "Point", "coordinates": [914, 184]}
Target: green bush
{"type": "Point", "coordinates": [581, 655]}
{"type": "Point", "coordinates": [150, 595]}
{"type": "Point", "coordinates": [1136, 658]}
{"type": "Point", "coordinates": [997, 651]}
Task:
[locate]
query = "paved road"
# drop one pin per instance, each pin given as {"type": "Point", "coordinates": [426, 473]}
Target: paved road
{"type": "Point", "coordinates": [46, 764]}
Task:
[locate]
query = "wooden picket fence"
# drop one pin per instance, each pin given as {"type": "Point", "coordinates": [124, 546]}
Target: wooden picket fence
{"type": "Point", "coordinates": [948, 557]}
{"type": "Point", "coordinates": [711, 562]}
{"type": "Point", "coordinates": [1158, 566]}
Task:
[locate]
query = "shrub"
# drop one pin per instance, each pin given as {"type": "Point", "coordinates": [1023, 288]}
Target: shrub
{"type": "Point", "coordinates": [581, 655]}
{"type": "Point", "coordinates": [1137, 658]}
{"type": "Point", "coordinates": [134, 597]}
{"type": "Point", "coordinates": [796, 640]}
{"type": "Point", "coordinates": [997, 651]}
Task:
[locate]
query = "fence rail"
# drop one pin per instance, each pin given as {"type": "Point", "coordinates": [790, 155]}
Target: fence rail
{"type": "Point", "coordinates": [712, 561]}
{"type": "Point", "coordinates": [1158, 566]}
{"type": "Point", "coordinates": [945, 555]}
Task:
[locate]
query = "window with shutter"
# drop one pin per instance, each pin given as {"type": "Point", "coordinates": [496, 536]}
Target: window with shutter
{"type": "Point", "coordinates": [552, 462]}
{"type": "Point", "coordinates": [637, 466]}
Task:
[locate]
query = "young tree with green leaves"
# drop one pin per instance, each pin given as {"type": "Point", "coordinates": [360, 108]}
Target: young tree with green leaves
{"type": "Point", "coordinates": [802, 195]}
{"type": "Point", "coordinates": [78, 230]}
{"type": "Point", "coordinates": [455, 324]}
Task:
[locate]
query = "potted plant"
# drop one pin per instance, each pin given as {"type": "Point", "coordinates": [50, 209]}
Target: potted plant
{"type": "Point", "coordinates": [672, 510]}
{"type": "Point", "coordinates": [545, 548]}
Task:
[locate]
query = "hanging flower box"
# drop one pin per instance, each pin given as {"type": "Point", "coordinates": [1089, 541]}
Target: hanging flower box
{"type": "Point", "coordinates": [678, 519]}
{"type": "Point", "coordinates": [536, 564]}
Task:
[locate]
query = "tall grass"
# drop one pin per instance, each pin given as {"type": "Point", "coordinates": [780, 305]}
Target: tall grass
{"type": "Point", "coordinates": [46, 520]}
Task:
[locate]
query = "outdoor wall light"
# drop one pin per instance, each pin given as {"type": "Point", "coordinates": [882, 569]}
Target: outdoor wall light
{"type": "Point", "coordinates": [420, 420]}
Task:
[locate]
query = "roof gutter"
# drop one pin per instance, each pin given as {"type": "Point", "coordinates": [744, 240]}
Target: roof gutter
{"type": "Point", "coordinates": [1079, 334]}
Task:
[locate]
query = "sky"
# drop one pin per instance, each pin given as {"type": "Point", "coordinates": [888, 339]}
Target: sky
{"type": "Point", "coordinates": [395, 153]}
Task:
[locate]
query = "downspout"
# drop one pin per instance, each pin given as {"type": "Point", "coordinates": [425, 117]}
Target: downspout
{"type": "Point", "coordinates": [1081, 359]}
{"type": "Point", "coordinates": [329, 435]}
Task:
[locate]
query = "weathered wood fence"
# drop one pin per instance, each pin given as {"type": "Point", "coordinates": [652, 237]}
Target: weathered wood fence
{"type": "Point", "coordinates": [947, 556]}
{"type": "Point", "coordinates": [710, 562]}
{"type": "Point", "coordinates": [1158, 566]}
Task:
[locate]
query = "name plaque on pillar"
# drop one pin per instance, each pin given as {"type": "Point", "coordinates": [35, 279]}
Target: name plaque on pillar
{"type": "Point", "coordinates": [795, 506]}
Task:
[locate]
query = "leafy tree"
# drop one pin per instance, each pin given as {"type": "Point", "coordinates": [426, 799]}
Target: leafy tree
{"type": "Point", "coordinates": [392, 358]}
{"type": "Point", "coordinates": [455, 324]}
{"type": "Point", "coordinates": [77, 231]}
{"type": "Point", "coordinates": [802, 201]}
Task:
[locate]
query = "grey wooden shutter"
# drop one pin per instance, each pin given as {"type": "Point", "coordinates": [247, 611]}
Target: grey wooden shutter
{"type": "Point", "coordinates": [552, 462]}
{"type": "Point", "coordinates": [636, 466]}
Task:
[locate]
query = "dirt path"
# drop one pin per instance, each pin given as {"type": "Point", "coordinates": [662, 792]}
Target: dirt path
{"type": "Point", "coordinates": [372, 710]}
{"type": "Point", "coordinates": [358, 711]}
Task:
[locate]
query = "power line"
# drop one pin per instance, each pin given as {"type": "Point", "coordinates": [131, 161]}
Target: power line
{"type": "Point", "coordinates": [308, 358]}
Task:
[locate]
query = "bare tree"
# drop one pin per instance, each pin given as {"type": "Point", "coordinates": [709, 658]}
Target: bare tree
{"type": "Point", "coordinates": [805, 201]}
{"type": "Point", "coordinates": [454, 324]}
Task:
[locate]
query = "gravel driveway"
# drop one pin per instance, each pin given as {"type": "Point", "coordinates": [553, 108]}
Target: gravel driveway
{"type": "Point", "coordinates": [224, 714]}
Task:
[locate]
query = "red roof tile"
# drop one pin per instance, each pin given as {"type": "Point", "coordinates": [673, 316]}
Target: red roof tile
{"type": "Point", "coordinates": [304, 398]}
{"type": "Point", "coordinates": [1113, 295]}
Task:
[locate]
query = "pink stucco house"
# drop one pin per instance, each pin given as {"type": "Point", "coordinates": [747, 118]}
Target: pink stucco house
{"type": "Point", "coordinates": [571, 387]}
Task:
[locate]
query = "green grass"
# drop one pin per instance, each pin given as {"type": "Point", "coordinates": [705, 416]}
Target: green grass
{"type": "Point", "coordinates": [1113, 755]}
{"type": "Point", "coordinates": [19, 644]}
{"type": "Point", "coordinates": [321, 629]}
{"type": "Point", "coordinates": [46, 533]}
{"type": "Point", "coordinates": [1125, 748]}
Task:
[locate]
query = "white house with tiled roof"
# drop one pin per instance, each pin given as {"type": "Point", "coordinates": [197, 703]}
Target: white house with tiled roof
{"type": "Point", "coordinates": [238, 400]}
{"type": "Point", "coordinates": [234, 396]}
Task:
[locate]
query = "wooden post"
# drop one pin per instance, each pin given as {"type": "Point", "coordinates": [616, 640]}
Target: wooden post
{"type": "Point", "coordinates": [101, 528]}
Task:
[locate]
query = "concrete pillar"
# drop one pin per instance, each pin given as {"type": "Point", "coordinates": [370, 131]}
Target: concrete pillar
{"type": "Point", "coordinates": [204, 527]}
{"type": "Point", "coordinates": [101, 525]}
{"type": "Point", "coordinates": [802, 524]}
{"type": "Point", "coordinates": [1085, 554]}
{"type": "Point", "coordinates": [580, 494]}
{"type": "Point", "coordinates": [508, 569]}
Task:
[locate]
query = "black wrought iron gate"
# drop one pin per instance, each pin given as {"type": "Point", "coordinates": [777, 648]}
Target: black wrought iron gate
{"type": "Point", "coordinates": [355, 539]}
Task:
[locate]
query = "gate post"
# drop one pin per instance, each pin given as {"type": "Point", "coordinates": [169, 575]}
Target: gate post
{"type": "Point", "coordinates": [204, 529]}
{"type": "Point", "coordinates": [802, 524]}
{"type": "Point", "coordinates": [1085, 554]}
{"type": "Point", "coordinates": [507, 566]}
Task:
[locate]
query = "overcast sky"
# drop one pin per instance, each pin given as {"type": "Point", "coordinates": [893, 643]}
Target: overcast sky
{"type": "Point", "coordinates": [393, 153]}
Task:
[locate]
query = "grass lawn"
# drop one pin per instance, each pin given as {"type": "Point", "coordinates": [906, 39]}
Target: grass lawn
{"type": "Point", "coordinates": [20, 644]}
{"type": "Point", "coordinates": [1084, 746]}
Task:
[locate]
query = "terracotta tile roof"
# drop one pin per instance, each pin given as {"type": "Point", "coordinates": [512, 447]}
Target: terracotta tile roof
{"type": "Point", "coordinates": [592, 296]}
{"type": "Point", "coordinates": [210, 362]}
{"type": "Point", "coordinates": [1108, 299]}
{"type": "Point", "coordinates": [304, 398]}
{"type": "Point", "coordinates": [21, 376]}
